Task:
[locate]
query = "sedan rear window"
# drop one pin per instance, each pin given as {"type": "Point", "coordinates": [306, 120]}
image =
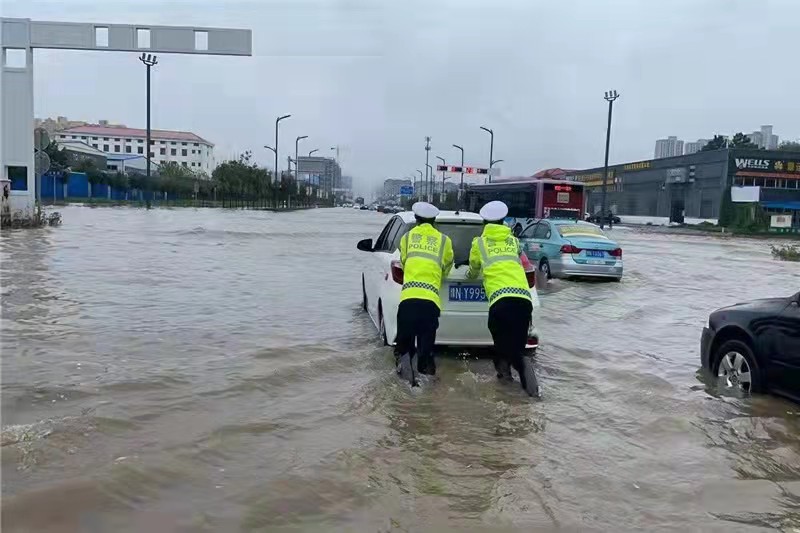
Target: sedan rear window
{"type": "Point", "coordinates": [461, 234]}
{"type": "Point", "coordinates": [580, 229]}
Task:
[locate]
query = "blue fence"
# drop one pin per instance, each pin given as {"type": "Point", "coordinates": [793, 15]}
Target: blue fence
{"type": "Point", "coordinates": [77, 186]}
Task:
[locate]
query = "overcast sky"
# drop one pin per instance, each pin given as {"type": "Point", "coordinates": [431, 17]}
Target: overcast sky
{"type": "Point", "coordinates": [376, 76]}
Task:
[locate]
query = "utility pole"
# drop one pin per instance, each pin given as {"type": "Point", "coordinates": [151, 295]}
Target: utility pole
{"type": "Point", "coordinates": [276, 143]}
{"type": "Point", "coordinates": [491, 150]}
{"type": "Point", "coordinates": [444, 164]}
{"type": "Point", "coordinates": [419, 190]}
{"type": "Point", "coordinates": [149, 61]}
{"type": "Point", "coordinates": [461, 185]}
{"type": "Point", "coordinates": [427, 166]}
{"type": "Point", "coordinates": [609, 97]}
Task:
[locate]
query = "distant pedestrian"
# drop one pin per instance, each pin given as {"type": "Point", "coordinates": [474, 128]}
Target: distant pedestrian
{"type": "Point", "coordinates": [496, 253]}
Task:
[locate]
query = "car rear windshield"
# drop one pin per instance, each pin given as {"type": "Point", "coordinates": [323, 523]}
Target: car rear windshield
{"type": "Point", "coordinates": [461, 234]}
{"type": "Point", "coordinates": [574, 230]}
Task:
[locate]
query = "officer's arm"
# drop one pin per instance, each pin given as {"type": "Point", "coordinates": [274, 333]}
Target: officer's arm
{"type": "Point", "coordinates": [474, 260]}
{"type": "Point", "coordinates": [448, 257]}
{"type": "Point", "coordinates": [403, 249]}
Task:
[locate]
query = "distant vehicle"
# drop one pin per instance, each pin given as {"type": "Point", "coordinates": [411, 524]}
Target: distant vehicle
{"type": "Point", "coordinates": [610, 218]}
{"type": "Point", "coordinates": [531, 200]}
{"type": "Point", "coordinates": [465, 309]}
{"type": "Point", "coordinates": [567, 248]}
{"type": "Point", "coordinates": [363, 207]}
{"type": "Point", "coordinates": [754, 346]}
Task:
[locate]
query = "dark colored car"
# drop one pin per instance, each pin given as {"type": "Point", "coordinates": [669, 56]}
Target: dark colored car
{"type": "Point", "coordinates": [610, 218]}
{"type": "Point", "coordinates": [755, 346]}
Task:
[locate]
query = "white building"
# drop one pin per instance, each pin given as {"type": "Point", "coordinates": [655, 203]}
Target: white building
{"type": "Point", "coordinates": [182, 147]}
{"type": "Point", "coordinates": [669, 147]}
{"type": "Point", "coordinates": [694, 147]}
{"type": "Point", "coordinates": [764, 138]}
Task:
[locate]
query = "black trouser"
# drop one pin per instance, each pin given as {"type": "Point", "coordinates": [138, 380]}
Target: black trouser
{"type": "Point", "coordinates": [417, 322]}
{"type": "Point", "coordinates": [509, 320]}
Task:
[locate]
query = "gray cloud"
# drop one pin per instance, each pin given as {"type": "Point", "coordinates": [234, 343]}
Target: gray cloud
{"type": "Point", "coordinates": [376, 76]}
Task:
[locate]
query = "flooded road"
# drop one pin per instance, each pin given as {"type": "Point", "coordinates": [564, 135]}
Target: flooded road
{"type": "Point", "coordinates": [182, 370]}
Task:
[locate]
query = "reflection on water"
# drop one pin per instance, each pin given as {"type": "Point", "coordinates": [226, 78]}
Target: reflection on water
{"type": "Point", "coordinates": [202, 370]}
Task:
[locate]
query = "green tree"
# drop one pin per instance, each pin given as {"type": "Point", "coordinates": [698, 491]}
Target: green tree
{"type": "Point", "coordinates": [59, 159]}
{"type": "Point", "coordinates": [789, 146]}
{"type": "Point", "coordinates": [740, 140]}
{"type": "Point", "coordinates": [717, 143]}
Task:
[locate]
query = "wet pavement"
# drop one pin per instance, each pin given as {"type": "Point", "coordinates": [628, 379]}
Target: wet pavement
{"type": "Point", "coordinates": [207, 370]}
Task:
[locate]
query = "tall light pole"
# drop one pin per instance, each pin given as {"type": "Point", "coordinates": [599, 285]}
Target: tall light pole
{"type": "Point", "coordinates": [461, 186]}
{"type": "Point", "coordinates": [427, 166]}
{"type": "Point", "coordinates": [610, 96]}
{"type": "Point", "coordinates": [296, 160]}
{"type": "Point", "coordinates": [419, 192]}
{"type": "Point", "coordinates": [429, 172]}
{"type": "Point", "coordinates": [312, 151]}
{"type": "Point", "coordinates": [491, 149]}
{"type": "Point", "coordinates": [149, 61]}
{"type": "Point", "coordinates": [276, 143]}
{"type": "Point", "coordinates": [444, 164]}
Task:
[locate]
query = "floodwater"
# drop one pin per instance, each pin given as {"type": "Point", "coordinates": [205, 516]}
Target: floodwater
{"type": "Point", "coordinates": [207, 370]}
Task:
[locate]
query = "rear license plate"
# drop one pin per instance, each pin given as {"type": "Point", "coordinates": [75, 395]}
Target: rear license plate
{"type": "Point", "coordinates": [595, 262]}
{"type": "Point", "coordinates": [467, 293]}
{"type": "Point", "coordinates": [594, 253]}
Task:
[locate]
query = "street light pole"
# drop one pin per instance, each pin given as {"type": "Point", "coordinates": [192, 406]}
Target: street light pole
{"type": "Point", "coordinates": [312, 151]}
{"type": "Point", "coordinates": [428, 192]}
{"type": "Point", "coordinates": [429, 172]}
{"type": "Point", "coordinates": [419, 192]}
{"type": "Point", "coordinates": [276, 143]}
{"type": "Point", "coordinates": [461, 186]}
{"type": "Point", "coordinates": [444, 164]}
{"type": "Point", "coordinates": [491, 150]}
{"type": "Point", "coordinates": [149, 61]}
{"type": "Point", "coordinates": [296, 160]}
{"type": "Point", "coordinates": [610, 96]}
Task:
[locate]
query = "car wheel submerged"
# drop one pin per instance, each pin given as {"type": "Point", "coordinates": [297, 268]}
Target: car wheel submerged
{"type": "Point", "coordinates": [544, 268]}
{"type": "Point", "coordinates": [737, 367]}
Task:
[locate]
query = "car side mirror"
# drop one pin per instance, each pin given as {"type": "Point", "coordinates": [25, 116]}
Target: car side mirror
{"type": "Point", "coordinates": [365, 245]}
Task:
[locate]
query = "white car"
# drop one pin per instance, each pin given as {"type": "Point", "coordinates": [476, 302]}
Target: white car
{"type": "Point", "coordinates": [465, 309]}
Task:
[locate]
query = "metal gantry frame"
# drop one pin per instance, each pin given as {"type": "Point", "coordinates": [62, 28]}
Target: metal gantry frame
{"type": "Point", "coordinates": [20, 36]}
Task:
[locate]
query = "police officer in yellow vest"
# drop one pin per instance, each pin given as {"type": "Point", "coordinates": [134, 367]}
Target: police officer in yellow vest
{"type": "Point", "coordinates": [427, 257]}
{"type": "Point", "coordinates": [497, 253]}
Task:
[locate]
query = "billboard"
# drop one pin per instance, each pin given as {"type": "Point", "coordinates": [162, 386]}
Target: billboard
{"type": "Point", "coordinates": [745, 194]}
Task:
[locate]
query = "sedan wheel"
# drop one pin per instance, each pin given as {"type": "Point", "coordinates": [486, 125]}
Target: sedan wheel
{"type": "Point", "coordinates": [544, 268]}
{"type": "Point", "coordinates": [737, 368]}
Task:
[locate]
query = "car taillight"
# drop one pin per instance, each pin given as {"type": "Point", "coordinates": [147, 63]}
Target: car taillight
{"type": "Point", "coordinates": [531, 276]}
{"type": "Point", "coordinates": [397, 272]}
{"type": "Point", "coordinates": [569, 249]}
{"type": "Point", "coordinates": [616, 252]}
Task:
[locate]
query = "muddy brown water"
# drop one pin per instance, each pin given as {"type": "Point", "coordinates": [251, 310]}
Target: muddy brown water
{"type": "Point", "coordinates": [208, 370]}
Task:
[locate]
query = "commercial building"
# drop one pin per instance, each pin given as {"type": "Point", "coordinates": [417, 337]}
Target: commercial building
{"type": "Point", "coordinates": [391, 187]}
{"type": "Point", "coordinates": [185, 148]}
{"type": "Point", "coordinates": [692, 186]}
{"type": "Point", "coordinates": [669, 147]}
{"type": "Point", "coordinates": [322, 171]}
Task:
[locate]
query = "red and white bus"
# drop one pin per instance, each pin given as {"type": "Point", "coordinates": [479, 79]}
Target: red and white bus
{"type": "Point", "coordinates": [531, 199]}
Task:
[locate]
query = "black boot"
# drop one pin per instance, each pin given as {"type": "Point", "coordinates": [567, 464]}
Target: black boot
{"type": "Point", "coordinates": [406, 368]}
{"type": "Point", "coordinates": [503, 370]}
{"type": "Point", "coordinates": [427, 365]}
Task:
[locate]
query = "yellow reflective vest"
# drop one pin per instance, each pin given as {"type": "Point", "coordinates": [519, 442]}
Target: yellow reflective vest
{"type": "Point", "coordinates": [496, 253]}
{"type": "Point", "coordinates": [427, 257]}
